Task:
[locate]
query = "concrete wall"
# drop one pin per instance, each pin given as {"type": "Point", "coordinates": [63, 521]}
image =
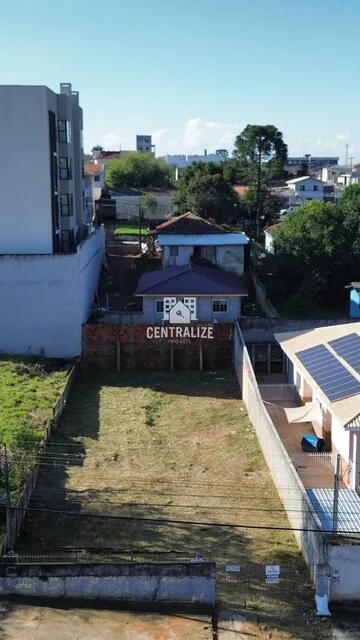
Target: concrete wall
{"type": "Point", "coordinates": [46, 298]}
{"type": "Point", "coordinates": [183, 583]}
{"type": "Point", "coordinates": [344, 564]}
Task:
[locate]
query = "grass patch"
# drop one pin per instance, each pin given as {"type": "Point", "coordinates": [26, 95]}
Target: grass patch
{"type": "Point", "coordinates": [129, 230]}
{"type": "Point", "coordinates": [29, 389]}
{"type": "Point", "coordinates": [163, 447]}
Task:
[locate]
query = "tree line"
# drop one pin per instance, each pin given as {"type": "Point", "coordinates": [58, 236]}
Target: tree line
{"type": "Point", "coordinates": [207, 188]}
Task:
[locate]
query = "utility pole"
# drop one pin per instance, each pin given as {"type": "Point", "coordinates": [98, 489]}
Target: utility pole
{"type": "Point", "coordinates": [140, 223]}
{"type": "Point", "coordinates": [336, 494]}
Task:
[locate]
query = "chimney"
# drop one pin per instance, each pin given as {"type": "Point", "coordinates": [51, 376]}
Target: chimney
{"type": "Point", "coordinates": [205, 152]}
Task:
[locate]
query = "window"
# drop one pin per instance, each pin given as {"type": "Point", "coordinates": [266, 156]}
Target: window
{"type": "Point", "coordinates": [174, 251]}
{"type": "Point", "coordinates": [301, 187]}
{"type": "Point", "coordinates": [67, 241]}
{"type": "Point", "coordinates": [159, 306]}
{"type": "Point", "coordinates": [97, 178]}
{"type": "Point", "coordinates": [316, 188]}
{"type": "Point", "coordinates": [64, 131]}
{"type": "Point", "coordinates": [65, 168]}
{"type": "Point", "coordinates": [220, 306]}
{"type": "Point", "coordinates": [66, 204]}
{"type": "Point", "coordinates": [209, 253]}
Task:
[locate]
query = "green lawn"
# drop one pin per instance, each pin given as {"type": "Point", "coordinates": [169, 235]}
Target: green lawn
{"type": "Point", "coordinates": [128, 229]}
{"type": "Point", "coordinates": [161, 447]}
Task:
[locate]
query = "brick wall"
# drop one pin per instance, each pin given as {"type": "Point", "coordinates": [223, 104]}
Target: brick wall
{"type": "Point", "coordinates": [108, 346]}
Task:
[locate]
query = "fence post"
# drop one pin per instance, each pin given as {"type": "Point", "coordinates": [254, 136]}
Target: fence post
{"type": "Point", "coordinates": [336, 494]}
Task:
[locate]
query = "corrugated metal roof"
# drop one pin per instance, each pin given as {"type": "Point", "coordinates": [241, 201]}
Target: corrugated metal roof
{"type": "Point", "coordinates": [190, 280]}
{"type": "Point", "coordinates": [348, 509]}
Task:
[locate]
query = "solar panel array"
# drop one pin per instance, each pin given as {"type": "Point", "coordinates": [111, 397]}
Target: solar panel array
{"type": "Point", "coordinates": [348, 348]}
{"type": "Point", "coordinates": [329, 374]}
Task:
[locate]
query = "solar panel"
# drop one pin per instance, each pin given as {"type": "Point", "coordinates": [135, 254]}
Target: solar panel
{"type": "Point", "coordinates": [329, 374]}
{"type": "Point", "coordinates": [348, 348]}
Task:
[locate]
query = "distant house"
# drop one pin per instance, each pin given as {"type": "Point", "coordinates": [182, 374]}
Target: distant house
{"type": "Point", "coordinates": [324, 364]}
{"type": "Point", "coordinates": [94, 182]}
{"type": "Point", "coordinates": [354, 299]}
{"type": "Point", "coordinates": [189, 238]}
{"type": "Point", "coordinates": [269, 236]}
{"type": "Point", "coordinates": [306, 188]}
{"type": "Point", "coordinates": [187, 293]}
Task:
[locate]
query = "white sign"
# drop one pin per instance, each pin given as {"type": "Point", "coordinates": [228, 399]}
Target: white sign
{"type": "Point", "coordinates": [197, 559]}
{"type": "Point", "coordinates": [232, 568]}
{"type": "Point", "coordinates": [179, 311]}
{"type": "Point", "coordinates": [171, 332]}
{"type": "Point", "coordinates": [272, 573]}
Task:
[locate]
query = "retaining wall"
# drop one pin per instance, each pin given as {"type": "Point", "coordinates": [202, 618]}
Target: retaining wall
{"type": "Point", "coordinates": [183, 583]}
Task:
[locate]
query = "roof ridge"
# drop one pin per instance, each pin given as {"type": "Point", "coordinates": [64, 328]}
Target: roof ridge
{"type": "Point", "coordinates": [183, 269]}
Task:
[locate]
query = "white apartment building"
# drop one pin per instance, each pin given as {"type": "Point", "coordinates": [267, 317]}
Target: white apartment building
{"type": "Point", "coordinates": [50, 256]}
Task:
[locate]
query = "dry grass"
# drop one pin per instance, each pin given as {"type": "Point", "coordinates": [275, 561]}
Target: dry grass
{"type": "Point", "coordinates": [177, 447]}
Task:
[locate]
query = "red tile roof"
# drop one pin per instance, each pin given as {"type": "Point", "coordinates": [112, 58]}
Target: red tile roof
{"type": "Point", "coordinates": [272, 227]}
{"type": "Point", "coordinates": [189, 223]}
{"type": "Point", "coordinates": [93, 169]}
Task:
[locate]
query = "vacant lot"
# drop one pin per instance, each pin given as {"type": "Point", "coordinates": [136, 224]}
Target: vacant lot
{"type": "Point", "coordinates": [162, 448]}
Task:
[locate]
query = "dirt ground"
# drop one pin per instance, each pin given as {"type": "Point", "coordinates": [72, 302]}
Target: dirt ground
{"type": "Point", "coordinates": [159, 448]}
{"type": "Point", "coordinates": [29, 622]}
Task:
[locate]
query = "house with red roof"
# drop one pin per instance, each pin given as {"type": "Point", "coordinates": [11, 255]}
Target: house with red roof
{"type": "Point", "coordinates": [189, 238]}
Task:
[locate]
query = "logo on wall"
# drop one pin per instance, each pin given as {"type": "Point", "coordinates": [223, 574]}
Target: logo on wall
{"type": "Point", "coordinates": [176, 313]}
{"type": "Point", "coordinates": [179, 311]}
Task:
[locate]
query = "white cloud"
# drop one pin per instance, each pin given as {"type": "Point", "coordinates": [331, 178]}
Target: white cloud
{"type": "Point", "coordinates": [200, 134]}
{"type": "Point", "coordinates": [159, 135]}
{"type": "Point", "coordinates": [197, 134]}
{"type": "Point", "coordinates": [111, 140]}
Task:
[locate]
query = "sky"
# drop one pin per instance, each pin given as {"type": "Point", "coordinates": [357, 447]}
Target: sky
{"type": "Point", "coordinates": [194, 73]}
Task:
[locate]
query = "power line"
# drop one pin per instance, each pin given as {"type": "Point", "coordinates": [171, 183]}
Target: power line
{"type": "Point", "coordinates": [204, 507]}
{"type": "Point", "coordinates": [168, 521]}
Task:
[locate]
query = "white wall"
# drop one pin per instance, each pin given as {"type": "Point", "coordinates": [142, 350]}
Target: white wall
{"type": "Point", "coordinates": [340, 438]}
{"type": "Point", "coordinates": [25, 204]}
{"type": "Point", "coordinates": [308, 192]}
{"type": "Point", "coordinates": [344, 563]}
{"type": "Point", "coordinates": [269, 242]}
{"type": "Point", "coordinates": [127, 207]}
{"type": "Point", "coordinates": [46, 299]}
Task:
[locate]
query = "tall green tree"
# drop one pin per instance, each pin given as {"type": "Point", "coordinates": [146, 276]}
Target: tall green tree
{"type": "Point", "coordinates": [316, 254]}
{"type": "Point", "coordinates": [204, 189]}
{"type": "Point", "coordinates": [261, 154]}
{"type": "Point", "coordinates": [138, 170]}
